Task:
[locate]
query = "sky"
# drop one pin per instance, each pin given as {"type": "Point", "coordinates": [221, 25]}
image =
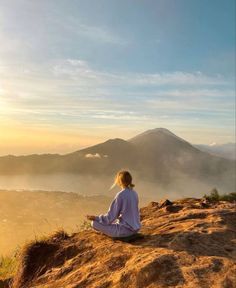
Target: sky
{"type": "Point", "coordinates": [76, 73]}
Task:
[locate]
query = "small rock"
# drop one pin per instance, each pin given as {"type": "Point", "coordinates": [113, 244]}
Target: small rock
{"type": "Point", "coordinates": [165, 203]}
{"type": "Point", "coordinates": [153, 204]}
{"type": "Point", "coordinates": [173, 208]}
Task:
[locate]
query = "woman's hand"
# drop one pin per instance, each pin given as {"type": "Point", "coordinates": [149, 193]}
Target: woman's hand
{"type": "Point", "coordinates": [90, 217]}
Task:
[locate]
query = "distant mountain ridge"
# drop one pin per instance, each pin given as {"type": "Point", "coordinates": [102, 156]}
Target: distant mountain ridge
{"type": "Point", "coordinates": [155, 155]}
{"type": "Point", "coordinates": [227, 150]}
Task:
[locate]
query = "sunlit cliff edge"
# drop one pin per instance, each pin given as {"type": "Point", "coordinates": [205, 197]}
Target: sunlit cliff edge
{"type": "Point", "coordinates": [189, 243]}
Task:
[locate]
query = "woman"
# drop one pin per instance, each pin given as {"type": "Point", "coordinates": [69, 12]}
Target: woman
{"type": "Point", "coordinates": [122, 218]}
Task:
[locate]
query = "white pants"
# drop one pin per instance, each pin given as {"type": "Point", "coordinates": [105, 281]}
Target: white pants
{"type": "Point", "coordinates": [112, 230]}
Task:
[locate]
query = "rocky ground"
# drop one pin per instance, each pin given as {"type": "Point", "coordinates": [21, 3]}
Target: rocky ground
{"type": "Point", "coordinates": [188, 243]}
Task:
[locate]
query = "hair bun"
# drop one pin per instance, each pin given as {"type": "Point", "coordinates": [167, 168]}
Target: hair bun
{"type": "Point", "coordinates": [124, 179]}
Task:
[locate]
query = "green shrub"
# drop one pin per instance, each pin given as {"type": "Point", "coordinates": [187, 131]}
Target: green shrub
{"type": "Point", "coordinates": [214, 196]}
{"type": "Point", "coordinates": [228, 197]}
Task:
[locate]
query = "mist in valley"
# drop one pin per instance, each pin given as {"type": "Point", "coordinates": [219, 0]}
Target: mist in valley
{"type": "Point", "coordinates": [180, 185]}
{"type": "Point", "coordinates": [27, 215]}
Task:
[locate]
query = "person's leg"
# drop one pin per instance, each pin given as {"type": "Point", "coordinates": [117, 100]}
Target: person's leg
{"type": "Point", "coordinates": [112, 230]}
{"type": "Point", "coordinates": [109, 230]}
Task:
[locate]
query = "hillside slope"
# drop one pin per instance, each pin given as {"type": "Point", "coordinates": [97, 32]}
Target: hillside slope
{"type": "Point", "coordinates": [165, 156]}
{"type": "Point", "coordinates": [187, 244]}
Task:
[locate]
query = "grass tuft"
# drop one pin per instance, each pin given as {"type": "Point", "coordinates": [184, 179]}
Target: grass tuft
{"type": "Point", "coordinates": [8, 266]}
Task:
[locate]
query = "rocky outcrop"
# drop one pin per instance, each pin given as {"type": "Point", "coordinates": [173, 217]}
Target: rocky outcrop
{"type": "Point", "coordinates": [182, 244]}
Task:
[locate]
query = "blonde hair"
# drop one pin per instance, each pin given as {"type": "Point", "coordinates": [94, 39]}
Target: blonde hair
{"type": "Point", "coordinates": [124, 179]}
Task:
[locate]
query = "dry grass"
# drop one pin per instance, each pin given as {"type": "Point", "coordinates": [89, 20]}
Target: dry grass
{"type": "Point", "coordinates": [33, 256]}
{"type": "Point", "coordinates": [7, 266]}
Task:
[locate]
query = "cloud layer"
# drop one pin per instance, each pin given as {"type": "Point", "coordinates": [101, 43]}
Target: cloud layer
{"type": "Point", "coordinates": [72, 90]}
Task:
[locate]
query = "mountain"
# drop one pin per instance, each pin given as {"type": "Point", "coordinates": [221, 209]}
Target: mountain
{"type": "Point", "coordinates": [161, 153]}
{"type": "Point", "coordinates": [186, 244]}
{"type": "Point", "coordinates": [170, 156]}
{"type": "Point", "coordinates": [227, 150]}
{"type": "Point", "coordinates": [156, 155]}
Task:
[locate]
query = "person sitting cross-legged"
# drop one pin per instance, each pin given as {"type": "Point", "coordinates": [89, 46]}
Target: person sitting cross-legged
{"type": "Point", "coordinates": [122, 218]}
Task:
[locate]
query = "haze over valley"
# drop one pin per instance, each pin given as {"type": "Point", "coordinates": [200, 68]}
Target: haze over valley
{"type": "Point", "coordinates": [161, 162]}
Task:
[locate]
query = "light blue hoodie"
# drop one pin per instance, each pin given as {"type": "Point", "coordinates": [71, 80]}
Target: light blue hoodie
{"type": "Point", "coordinates": [125, 208]}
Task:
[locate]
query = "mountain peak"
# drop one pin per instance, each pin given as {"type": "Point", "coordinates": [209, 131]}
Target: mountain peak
{"type": "Point", "coordinates": [156, 132]}
{"type": "Point", "coordinates": [159, 130]}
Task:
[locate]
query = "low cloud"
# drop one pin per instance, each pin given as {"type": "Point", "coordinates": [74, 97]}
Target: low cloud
{"type": "Point", "coordinates": [96, 155]}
